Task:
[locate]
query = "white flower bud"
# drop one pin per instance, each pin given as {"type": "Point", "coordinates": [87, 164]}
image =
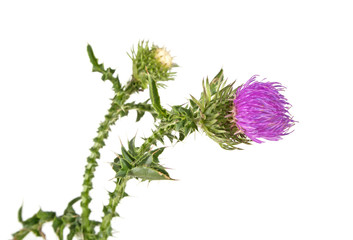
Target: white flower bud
{"type": "Point", "coordinates": [163, 56]}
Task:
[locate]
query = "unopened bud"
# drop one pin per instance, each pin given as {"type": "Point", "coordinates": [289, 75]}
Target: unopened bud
{"type": "Point", "coordinates": [163, 56]}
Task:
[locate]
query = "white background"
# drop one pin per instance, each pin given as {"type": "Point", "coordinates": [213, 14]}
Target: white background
{"type": "Point", "coordinates": [51, 104]}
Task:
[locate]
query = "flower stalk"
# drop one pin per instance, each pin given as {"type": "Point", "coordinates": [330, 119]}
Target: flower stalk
{"type": "Point", "coordinates": [117, 109]}
{"type": "Point", "coordinates": [114, 112]}
{"type": "Point", "coordinates": [110, 210]}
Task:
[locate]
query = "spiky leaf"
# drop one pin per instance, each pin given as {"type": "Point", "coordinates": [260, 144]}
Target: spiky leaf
{"type": "Point", "coordinates": [156, 103]}
{"type": "Point", "coordinates": [147, 173]}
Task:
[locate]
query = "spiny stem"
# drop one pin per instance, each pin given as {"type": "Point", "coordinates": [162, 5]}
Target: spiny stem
{"type": "Point", "coordinates": [165, 128]}
{"type": "Point", "coordinates": [119, 192]}
{"type": "Point", "coordinates": [110, 209]}
{"type": "Point", "coordinates": [162, 130]}
{"type": "Point", "coordinates": [102, 134]}
{"type": "Point", "coordinates": [145, 107]}
{"type": "Point", "coordinates": [157, 134]}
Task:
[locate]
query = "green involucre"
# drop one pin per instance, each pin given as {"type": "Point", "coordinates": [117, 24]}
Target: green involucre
{"type": "Point", "coordinates": [144, 60]}
{"type": "Point", "coordinates": [214, 108]}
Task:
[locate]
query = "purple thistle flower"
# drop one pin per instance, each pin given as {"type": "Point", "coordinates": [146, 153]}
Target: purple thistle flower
{"type": "Point", "coordinates": [260, 111]}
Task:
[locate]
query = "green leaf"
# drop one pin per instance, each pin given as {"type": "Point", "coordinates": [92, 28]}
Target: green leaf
{"type": "Point", "coordinates": [58, 226]}
{"type": "Point", "coordinates": [156, 103]}
{"type": "Point", "coordinates": [158, 152]}
{"type": "Point", "coordinates": [217, 78]}
{"type": "Point", "coordinates": [193, 126]}
{"type": "Point", "coordinates": [69, 208]}
{"type": "Point", "coordinates": [45, 216]}
{"type": "Point", "coordinates": [140, 114]}
{"type": "Point", "coordinates": [207, 90]}
{"type": "Point", "coordinates": [125, 164]}
{"type": "Point", "coordinates": [193, 104]}
{"type": "Point", "coordinates": [132, 148]}
{"type": "Point", "coordinates": [30, 222]}
{"type": "Point", "coordinates": [34, 223]}
{"type": "Point", "coordinates": [116, 164]}
{"type": "Point", "coordinates": [147, 173]}
{"type": "Point", "coordinates": [69, 218]}
{"type": "Point", "coordinates": [187, 130]}
{"type": "Point", "coordinates": [72, 232]}
{"type": "Point", "coordinates": [127, 156]}
{"type": "Point", "coordinates": [197, 103]}
{"type": "Point", "coordinates": [180, 125]}
{"type": "Point", "coordinates": [171, 137]}
{"type": "Point", "coordinates": [107, 74]}
{"type": "Point", "coordinates": [20, 234]}
{"type": "Point", "coordinates": [36, 232]}
{"type": "Point", "coordinates": [96, 67]}
{"type": "Point", "coordinates": [160, 138]}
{"type": "Point", "coordinates": [188, 112]}
{"type": "Point", "coordinates": [142, 159]}
{"type": "Point", "coordinates": [181, 136]}
{"type": "Point", "coordinates": [121, 173]}
{"type": "Point", "coordinates": [160, 169]}
{"type": "Point", "coordinates": [19, 214]}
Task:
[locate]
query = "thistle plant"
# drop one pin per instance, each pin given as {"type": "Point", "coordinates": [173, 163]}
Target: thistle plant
{"type": "Point", "coordinates": [230, 116]}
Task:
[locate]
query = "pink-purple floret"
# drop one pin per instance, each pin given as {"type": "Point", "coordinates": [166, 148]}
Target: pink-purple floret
{"type": "Point", "coordinates": [261, 112]}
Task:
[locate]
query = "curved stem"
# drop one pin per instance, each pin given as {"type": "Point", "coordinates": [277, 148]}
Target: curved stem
{"type": "Point", "coordinates": [102, 134]}
{"type": "Point", "coordinates": [110, 209]}
{"type": "Point", "coordinates": [165, 128]}
{"type": "Point", "coordinates": [143, 107]}
{"type": "Point", "coordinates": [158, 134]}
{"type": "Point", "coordinates": [119, 192]}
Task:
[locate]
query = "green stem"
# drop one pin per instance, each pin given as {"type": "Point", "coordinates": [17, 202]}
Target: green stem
{"type": "Point", "coordinates": [158, 134]}
{"type": "Point", "coordinates": [110, 209]}
{"type": "Point", "coordinates": [119, 192]}
{"type": "Point", "coordinates": [165, 128]}
{"type": "Point", "coordinates": [143, 107]}
{"type": "Point", "coordinates": [102, 134]}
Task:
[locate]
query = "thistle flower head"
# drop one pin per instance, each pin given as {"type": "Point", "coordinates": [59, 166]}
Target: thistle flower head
{"type": "Point", "coordinates": [213, 109]}
{"type": "Point", "coordinates": [157, 61]}
{"type": "Point", "coordinates": [253, 111]}
{"type": "Point", "coordinates": [260, 111]}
